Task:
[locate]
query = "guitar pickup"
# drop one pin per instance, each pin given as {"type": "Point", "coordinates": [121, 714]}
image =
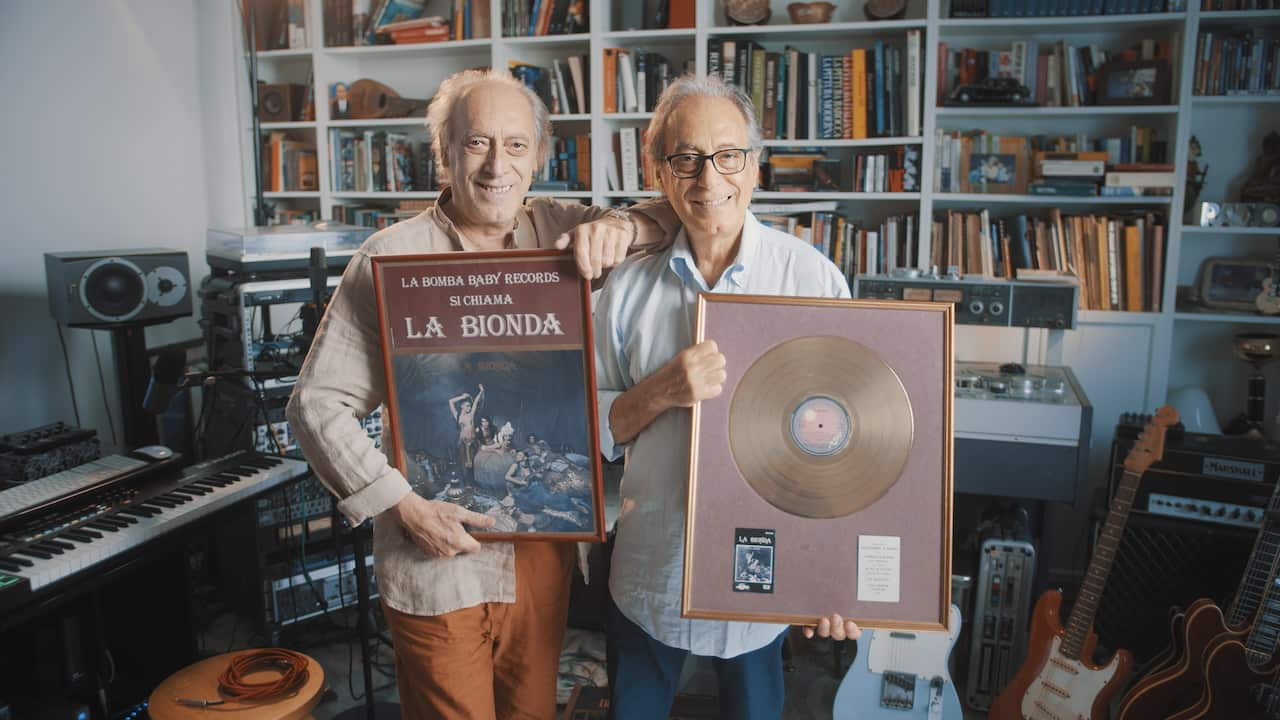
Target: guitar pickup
{"type": "Point", "coordinates": [897, 690]}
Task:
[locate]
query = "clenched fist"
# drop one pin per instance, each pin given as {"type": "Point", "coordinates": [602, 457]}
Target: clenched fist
{"type": "Point", "coordinates": [695, 374]}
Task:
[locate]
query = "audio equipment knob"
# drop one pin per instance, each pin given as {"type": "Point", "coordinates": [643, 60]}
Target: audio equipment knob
{"type": "Point", "coordinates": [976, 307]}
{"type": "Point", "coordinates": [997, 308]}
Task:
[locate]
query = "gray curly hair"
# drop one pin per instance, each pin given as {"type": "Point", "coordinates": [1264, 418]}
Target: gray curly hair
{"type": "Point", "coordinates": [686, 87]}
{"type": "Point", "coordinates": [456, 86]}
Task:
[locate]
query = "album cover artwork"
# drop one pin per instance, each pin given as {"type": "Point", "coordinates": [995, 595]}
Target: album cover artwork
{"type": "Point", "coordinates": [491, 389]}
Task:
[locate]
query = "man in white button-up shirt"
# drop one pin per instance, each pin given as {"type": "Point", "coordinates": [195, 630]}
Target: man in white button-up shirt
{"type": "Point", "coordinates": [705, 141]}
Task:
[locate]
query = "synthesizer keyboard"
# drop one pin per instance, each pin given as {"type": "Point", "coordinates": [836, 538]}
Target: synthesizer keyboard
{"type": "Point", "coordinates": [73, 536]}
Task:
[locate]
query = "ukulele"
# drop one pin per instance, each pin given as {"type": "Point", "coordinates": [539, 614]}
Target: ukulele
{"type": "Point", "coordinates": [1058, 679]}
{"type": "Point", "coordinates": [1180, 684]}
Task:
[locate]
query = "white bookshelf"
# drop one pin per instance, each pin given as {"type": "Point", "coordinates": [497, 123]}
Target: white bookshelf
{"type": "Point", "coordinates": [1168, 345]}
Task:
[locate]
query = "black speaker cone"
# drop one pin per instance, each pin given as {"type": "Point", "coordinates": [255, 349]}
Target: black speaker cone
{"type": "Point", "coordinates": [114, 290]}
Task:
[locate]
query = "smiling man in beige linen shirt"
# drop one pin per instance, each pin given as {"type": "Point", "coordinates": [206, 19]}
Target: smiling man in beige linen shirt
{"type": "Point", "coordinates": [476, 626]}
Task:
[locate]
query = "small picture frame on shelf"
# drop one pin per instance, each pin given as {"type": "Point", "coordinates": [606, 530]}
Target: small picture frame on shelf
{"type": "Point", "coordinates": [1142, 82]}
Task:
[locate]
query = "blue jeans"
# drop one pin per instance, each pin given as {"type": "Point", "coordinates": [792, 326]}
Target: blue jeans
{"type": "Point", "coordinates": [644, 674]}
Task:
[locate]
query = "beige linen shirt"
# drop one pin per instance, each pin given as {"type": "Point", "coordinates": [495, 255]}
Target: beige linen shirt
{"type": "Point", "coordinates": [342, 380]}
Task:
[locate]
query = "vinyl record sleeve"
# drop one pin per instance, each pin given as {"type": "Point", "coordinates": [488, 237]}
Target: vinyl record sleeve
{"type": "Point", "coordinates": [854, 456]}
{"type": "Point", "coordinates": [491, 391]}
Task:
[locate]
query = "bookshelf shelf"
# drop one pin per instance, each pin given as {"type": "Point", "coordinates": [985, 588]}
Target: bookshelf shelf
{"type": "Point", "coordinates": [1236, 99]}
{"type": "Point", "coordinates": [628, 116]}
{"type": "Point", "coordinates": [1058, 24]}
{"type": "Point", "coordinates": [820, 31]}
{"type": "Point", "coordinates": [570, 117]}
{"type": "Point", "coordinates": [448, 47]}
{"type": "Point", "coordinates": [1114, 317]}
{"type": "Point", "coordinates": [1218, 18]}
{"type": "Point", "coordinates": [380, 122]}
{"type": "Point", "coordinates": [1080, 111]}
{"type": "Point", "coordinates": [291, 54]}
{"type": "Point", "coordinates": [1232, 318]}
{"type": "Point", "coordinates": [547, 39]}
{"type": "Point", "coordinates": [423, 195]}
{"type": "Point", "coordinates": [296, 125]}
{"type": "Point", "coordinates": [292, 195]}
{"type": "Point", "coordinates": [1048, 200]}
{"type": "Point", "coordinates": [650, 35]}
{"type": "Point", "coordinates": [837, 143]}
{"type": "Point", "coordinates": [1197, 230]}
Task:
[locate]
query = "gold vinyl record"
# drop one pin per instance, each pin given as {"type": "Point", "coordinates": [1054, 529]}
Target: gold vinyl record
{"type": "Point", "coordinates": [820, 426]}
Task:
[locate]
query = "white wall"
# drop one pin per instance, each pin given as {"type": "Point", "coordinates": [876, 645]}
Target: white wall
{"type": "Point", "coordinates": [120, 127]}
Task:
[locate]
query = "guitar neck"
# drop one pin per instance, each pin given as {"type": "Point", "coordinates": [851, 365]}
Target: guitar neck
{"type": "Point", "coordinates": [1095, 579]}
{"type": "Point", "coordinates": [1264, 636]}
{"type": "Point", "coordinates": [1253, 585]}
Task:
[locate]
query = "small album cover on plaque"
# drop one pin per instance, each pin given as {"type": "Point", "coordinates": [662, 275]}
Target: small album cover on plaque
{"type": "Point", "coordinates": [491, 388]}
{"type": "Point", "coordinates": [820, 479]}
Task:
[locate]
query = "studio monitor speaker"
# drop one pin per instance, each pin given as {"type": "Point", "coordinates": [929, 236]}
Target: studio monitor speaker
{"type": "Point", "coordinates": [280, 102]}
{"type": "Point", "coordinates": [105, 288]}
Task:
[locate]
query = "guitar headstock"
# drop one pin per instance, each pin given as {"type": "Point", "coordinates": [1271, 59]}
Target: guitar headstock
{"type": "Point", "coordinates": [1149, 448]}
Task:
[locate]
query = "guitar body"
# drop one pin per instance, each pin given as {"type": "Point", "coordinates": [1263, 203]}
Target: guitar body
{"type": "Point", "coordinates": [1173, 651]}
{"type": "Point", "coordinates": [901, 676]}
{"type": "Point", "coordinates": [1228, 682]}
{"type": "Point", "coordinates": [1179, 685]}
{"type": "Point", "coordinates": [1051, 685]}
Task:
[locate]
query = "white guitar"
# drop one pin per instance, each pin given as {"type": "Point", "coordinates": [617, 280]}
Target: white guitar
{"type": "Point", "coordinates": [900, 675]}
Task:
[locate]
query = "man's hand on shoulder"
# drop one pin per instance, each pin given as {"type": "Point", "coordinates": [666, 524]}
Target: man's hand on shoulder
{"type": "Point", "coordinates": [601, 244]}
{"type": "Point", "coordinates": [438, 527]}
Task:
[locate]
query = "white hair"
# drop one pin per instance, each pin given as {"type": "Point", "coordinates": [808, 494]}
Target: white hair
{"type": "Point", "coordinates": [687, 87]}
{"type": "Point", "coordinates": [456, 87]}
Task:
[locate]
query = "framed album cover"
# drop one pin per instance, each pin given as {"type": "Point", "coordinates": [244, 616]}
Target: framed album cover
{"type": "Point", "coordinates": [821, 478]}
{"type": "Point", "coordinates": [491, 388]}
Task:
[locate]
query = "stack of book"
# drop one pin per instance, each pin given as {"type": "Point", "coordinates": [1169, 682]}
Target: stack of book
{"type": "Point", "coordinates": [867, 92]}
{"type": "Point", "coordinates": [1236, 64]}
{"type": "Point", "coordinates": [288, 164]}
{"type": "Point", "coordinates": [1063, 75]}
{"type": "Point", "coordinates": [634, 79]}
{"type": "Point", "coordinates": [563, 86]}
{"type": "Point", "coordinates": [1117, 259]}
{"type": "Point", "coordinates": [377, 161]}
{"type": "Point", "coordinates": [856, 247]}
{"type": "Point", "coordinates": [529, 18]}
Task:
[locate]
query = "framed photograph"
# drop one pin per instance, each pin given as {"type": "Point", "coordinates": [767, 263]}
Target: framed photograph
{"type": "Point", "coordinates": [820, 480]}
{"type": "Point", "coordinates": [1144, 82]}
{"type": "Point", "coordinates": [491, 388]}
{"type": "Point", "coordinates": [990, 164]}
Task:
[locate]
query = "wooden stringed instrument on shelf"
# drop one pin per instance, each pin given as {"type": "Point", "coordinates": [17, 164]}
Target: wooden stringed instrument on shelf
{"type": "Point", "coordinates": [1242, 674]}
{"type": "Point", "coordinates": [1180, 683]}
{"type": "Point", "coordinates": [1059, 680]}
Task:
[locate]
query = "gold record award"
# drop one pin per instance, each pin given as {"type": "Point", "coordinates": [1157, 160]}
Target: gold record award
{"type": "Point", "coordinates": [820, 426]}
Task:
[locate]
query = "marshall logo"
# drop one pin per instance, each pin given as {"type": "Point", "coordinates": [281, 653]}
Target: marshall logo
{"type": "Point", "coordinates": [509, 325]}
{"type": "Point", "coordinates": [1234, 469]}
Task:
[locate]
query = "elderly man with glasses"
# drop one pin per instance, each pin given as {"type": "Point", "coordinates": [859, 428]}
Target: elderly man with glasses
{"type": "Point", "coordinates": [476, 627]}
{"type": "Point", "coordinates": [706, 142]}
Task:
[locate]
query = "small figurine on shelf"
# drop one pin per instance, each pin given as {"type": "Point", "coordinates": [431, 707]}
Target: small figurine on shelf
{"type": "Point", "coordinates": [1195, 179]}
{"type": "Point", "coordinates": [1263, 183]}
{"type": "Point", "coordinates": [747, 12]}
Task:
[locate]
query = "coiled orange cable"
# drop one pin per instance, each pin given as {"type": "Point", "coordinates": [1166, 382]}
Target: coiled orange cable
{"type": "Point", "coordinates": [291, 665]}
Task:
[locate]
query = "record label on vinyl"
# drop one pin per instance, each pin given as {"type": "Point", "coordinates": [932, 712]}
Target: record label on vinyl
{"type": "Point", "coordinates": [820, 426]}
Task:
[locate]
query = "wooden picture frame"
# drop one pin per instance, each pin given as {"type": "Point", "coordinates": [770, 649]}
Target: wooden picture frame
{"type": "Point", "coordinates": [795, 510]}
{"type": "Point", "coordinates": [491, 396]}
{"type": "Point", "coordinates": [1142, 82]}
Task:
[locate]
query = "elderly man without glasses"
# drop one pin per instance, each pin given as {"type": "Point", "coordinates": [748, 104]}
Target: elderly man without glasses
{"type": "Point", "coordinates": [476, 627]}
{"type": "Point", "coordinates": [705, 142]}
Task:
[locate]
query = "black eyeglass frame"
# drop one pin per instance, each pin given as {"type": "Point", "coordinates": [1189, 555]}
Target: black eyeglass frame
{"type": "Point", "coordinates": [702, 161]}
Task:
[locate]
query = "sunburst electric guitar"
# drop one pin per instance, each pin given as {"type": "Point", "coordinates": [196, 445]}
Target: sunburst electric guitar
{"type": "Point", "coordinates": [1058, 680]}
{"type": "Point", "coordinates": [1180, 683]}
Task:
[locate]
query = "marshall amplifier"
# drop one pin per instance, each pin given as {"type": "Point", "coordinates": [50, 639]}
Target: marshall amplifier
{"type": "Point", "coordinates": [1216, 479]}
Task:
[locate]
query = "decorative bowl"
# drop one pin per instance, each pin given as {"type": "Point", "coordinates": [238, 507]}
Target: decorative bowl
{"type": "Point", "coordinates": [810, 12]}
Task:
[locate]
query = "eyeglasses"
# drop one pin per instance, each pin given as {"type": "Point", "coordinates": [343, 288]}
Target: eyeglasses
{"type": "Point", "coordinates": [728, 161]}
